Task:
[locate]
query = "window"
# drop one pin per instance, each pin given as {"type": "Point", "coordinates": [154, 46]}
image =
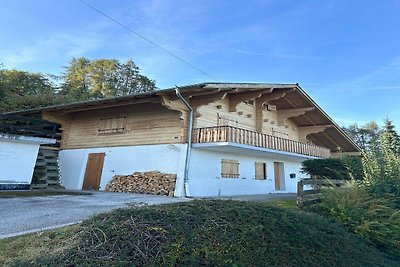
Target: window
{"type": "Point", "coordinates": [261, 170]}
{"type": "Point", "coordinates": [112, 125]}
{"type": "Point", "coordinates": [229, 168]}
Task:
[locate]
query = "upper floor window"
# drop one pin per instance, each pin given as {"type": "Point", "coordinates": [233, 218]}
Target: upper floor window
{"type": "Point", "coordinates": [112, 125]}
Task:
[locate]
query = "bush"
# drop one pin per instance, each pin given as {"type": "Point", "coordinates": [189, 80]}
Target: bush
{"type": "Point", "coordinates": [345, 168]}
{"type": "Point", "coordinates": [215, 233]}
{"type": "Point", "coordinates": [375, 219]}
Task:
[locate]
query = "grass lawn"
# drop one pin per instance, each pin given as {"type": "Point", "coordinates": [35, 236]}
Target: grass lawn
{"type": "Point", "coordinates": [197, 233]}
{"type": "Point", "coordinates": [28, 247]}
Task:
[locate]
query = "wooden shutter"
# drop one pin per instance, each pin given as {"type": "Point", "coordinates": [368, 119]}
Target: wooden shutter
{"type": "Point", "coordinates": [112, 125]}
{"type": "Point", "coordinates": [260, 170]}
{"type": "Point", "coordinates": [229, 168]}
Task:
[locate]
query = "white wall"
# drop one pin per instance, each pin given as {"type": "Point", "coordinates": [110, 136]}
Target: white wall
{"type": "Point", "coordinates": [123, 161]}
{"type": "Point", "coordinates": [205, 174]}
{"type": "Point", "coordinates": [17, 161]}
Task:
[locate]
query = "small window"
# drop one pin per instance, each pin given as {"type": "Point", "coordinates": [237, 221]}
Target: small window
{"type": "Point", "coordinates": [261, 170]}
{"type": "Point", "coordinates": [112, 125]}
{"type": "Point", "coordinates": [229, 168]}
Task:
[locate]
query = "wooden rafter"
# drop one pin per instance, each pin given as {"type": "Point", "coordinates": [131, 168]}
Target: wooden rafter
{"type": "Point", "coordinates": [307, 130]}
{"type": "Point", "coordinates": [116, 103]}
{"type": "Point", "coordinates": [175, 104]}
{"type": "Point", "coordinates": [260, 102]}
{"type": "Point", "coordinates": [236, 98]}
{"type": "Point", "coordinates": [197, 101]}
{"type": "Point", "coordinates": [284, 114]}
{"type": "Point", "coordinates": [332, 140]}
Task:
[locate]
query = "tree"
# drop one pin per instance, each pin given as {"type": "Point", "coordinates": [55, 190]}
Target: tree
{"type": "Point", "coordinates": [365, 136]}
{"type": "Point", "coordinates": [101, 78]}
{"type": "Point", "coordinates": [390, 138]}
{"type": "Point", "coordinates": [76, 79]}
{"type": "Point", "coordinates": [24, 90]}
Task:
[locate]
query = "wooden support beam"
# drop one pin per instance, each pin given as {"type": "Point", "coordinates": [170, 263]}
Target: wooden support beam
{"type": "Point", "coordinates": [105, 104]}
{"type": "Point", "coordinates": [198, 101]}
{"type": "Point", "coordinates": [260, 102]}
{"type": "Point", "coordinates": [236, 98]}
{"type": "Point", "coordinates": [307, 130]}
{"type": "Point", "coordinates": [273, 96]}
{"type": "Point", "coordinates": [284, 114]}
{"type": "Point", "coordinates": [332, 140]}
{"type": "Point", "coordinates": [177, 105]}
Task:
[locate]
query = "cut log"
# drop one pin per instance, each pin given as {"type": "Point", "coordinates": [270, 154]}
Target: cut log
{"type": "Point", "coordinates": [152, 182]}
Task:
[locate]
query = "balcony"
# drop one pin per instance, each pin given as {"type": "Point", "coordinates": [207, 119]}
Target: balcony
{"type": "Point", "coordinates": [248, 137]}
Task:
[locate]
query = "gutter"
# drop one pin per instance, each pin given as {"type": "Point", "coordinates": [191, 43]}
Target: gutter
{"type": "Point", "coordinates": [189, 146]}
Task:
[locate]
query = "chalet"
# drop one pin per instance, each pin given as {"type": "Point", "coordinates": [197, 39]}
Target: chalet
{"type": "Point", "coordinates": [220, 139]}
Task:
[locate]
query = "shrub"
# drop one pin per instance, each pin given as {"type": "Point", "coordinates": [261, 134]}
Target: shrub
{"type": "Point", "coordinates": [345, 168]}
{"type": "Point", "coordinates": [215, 233]}
{"type": "Point", "coordinates": [375, 219]}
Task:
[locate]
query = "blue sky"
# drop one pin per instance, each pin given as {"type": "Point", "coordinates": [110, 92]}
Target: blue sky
{"type": "Point", "coordinates": [345, 54]}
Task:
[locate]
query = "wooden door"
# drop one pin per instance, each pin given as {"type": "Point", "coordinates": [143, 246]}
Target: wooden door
{"type": "Point", "coordinates": [94, 169]}
{"type": "Point", "coordinates": [279, 176]}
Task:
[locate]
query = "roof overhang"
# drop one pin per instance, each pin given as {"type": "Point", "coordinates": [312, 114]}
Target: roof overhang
{"type": "Point", "coordinates": [290, 100]}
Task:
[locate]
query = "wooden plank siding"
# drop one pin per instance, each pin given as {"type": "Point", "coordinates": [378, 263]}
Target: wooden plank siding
{"type": "Point", "coordinates": [246, 119]}
{"type": "Point", "coordinates": [145, 124]}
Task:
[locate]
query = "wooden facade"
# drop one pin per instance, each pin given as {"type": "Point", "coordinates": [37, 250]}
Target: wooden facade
{"type": "Point", "coordinates": [274, 116]}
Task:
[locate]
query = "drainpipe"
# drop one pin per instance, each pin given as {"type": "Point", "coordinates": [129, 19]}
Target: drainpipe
{"type": "Point", "coordinates": [189, 146]}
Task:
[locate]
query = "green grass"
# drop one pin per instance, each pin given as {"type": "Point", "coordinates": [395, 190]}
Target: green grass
{"type": "Point", "coordinates": [29, 247]}
{"type": "Point", "coordinates": [38, 193]}
{"type": "Point", "coordinates": [206, 233]}
{"type": "Point", "coordinates": [286, 203]}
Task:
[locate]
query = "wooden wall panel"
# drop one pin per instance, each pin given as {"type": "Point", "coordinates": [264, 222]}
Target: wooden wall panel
{"type": "Point", "coordinates": [145, 124]}
{"type": "Point", "coordinates": [245, 116]}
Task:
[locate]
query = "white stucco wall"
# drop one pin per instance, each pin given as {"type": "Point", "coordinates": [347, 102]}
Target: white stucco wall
{"type": "Point", "coordinates": [18, 157]}
{"type": "Point", "coordinates": [122, 161]}
{"type": "Point", "coordinates": [205, 174]}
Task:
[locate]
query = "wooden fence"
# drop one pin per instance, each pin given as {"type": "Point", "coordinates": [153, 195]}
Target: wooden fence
{"type": "Point", "coordinates": [309, 190]}
{"type": "Point", "coordinates": [248, 137]}
{"type": "Point", "coordinates": [20, 125]}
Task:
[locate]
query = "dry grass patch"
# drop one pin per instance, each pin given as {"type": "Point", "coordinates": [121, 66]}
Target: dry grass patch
{"type": "Point", "coordinates": [28, 247]}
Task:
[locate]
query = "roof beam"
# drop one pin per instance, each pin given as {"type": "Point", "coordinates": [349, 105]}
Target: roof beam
{"type": "Point", "coordinates": [236, 98]}
{"type": "Point", "coordinates": [100, 105]}
{"type": "Point", "coordinates": [285, 114]}
{"type": "Point", "coordinates": [175, 104]}
{"type": "Point", "coordinates": [197, 101]}
{"type": "Point", "coordinates": [307, 130]}
{"type": "Point", "coordinates": [260, 102]}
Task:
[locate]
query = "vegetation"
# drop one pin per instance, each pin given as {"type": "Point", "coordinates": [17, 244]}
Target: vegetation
{"type": "Point", "coordinates": [371, 206]}
{"type": "Point", "coordinates": [377, 220]}
{"type": "Point", "coordinates": [83, 79]}
{"type": "Point", "coordinates": [344, 168]}
{"type": "Point", "coordinates": [27, 248]}
{"type": "Point", "coordinates": [210, 233]}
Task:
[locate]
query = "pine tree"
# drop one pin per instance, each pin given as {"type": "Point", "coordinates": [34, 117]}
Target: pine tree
{"type": "Point", "coordinates": [390, 138]}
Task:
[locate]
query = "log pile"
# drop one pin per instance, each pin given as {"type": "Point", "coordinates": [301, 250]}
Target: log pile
{"type": "Point", "coordinates": [153, 182]}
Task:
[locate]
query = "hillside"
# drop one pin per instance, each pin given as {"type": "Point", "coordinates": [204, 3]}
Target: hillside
{"type": "Point", "coordinates": [212, 233]}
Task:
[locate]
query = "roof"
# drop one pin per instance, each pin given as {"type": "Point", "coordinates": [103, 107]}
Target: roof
{"type": "Point", "coordinates": [333, 137]}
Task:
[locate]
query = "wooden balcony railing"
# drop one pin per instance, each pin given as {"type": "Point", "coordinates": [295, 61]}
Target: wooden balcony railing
{"type": "Point", "coordinates": [243, 136]}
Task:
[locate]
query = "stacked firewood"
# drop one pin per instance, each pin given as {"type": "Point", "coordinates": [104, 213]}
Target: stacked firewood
{"type": "Point", "coordinates": [153, 182]}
